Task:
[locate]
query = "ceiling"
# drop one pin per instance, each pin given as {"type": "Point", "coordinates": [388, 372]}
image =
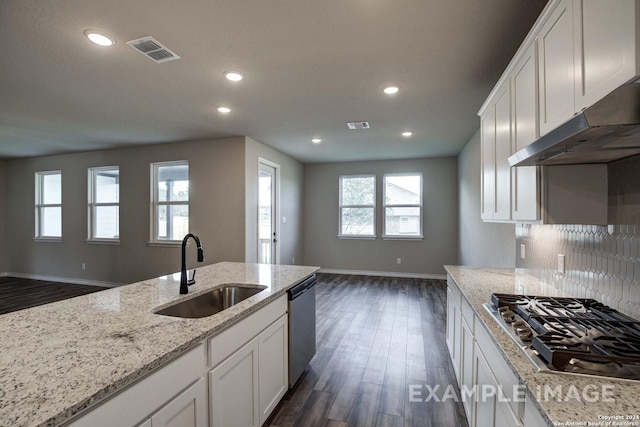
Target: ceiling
{"type": "Point", "coordinates": [311, 66]}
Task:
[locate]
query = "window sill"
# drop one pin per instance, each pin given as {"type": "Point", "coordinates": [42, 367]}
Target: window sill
{"type": "Point", "coordinates": [48, 239]}
{"type": "Point", "coordinates": [354, 237]}
{"type": "Point", "coordinates": [167, 244]}
{"type": "Point", "coordinates": [102, 241]}
{"type": "Point", "coordinates": [402, 237]}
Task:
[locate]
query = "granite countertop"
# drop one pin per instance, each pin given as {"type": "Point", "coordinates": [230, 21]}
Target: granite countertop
{"type": "Point", "coordinates": [60, 358]}
{"type": "Point", "coordinates": [579, 403]}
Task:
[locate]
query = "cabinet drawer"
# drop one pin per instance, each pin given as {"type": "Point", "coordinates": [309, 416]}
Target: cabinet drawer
{"type": "Point", "coordinates": [231, 339]}
{"type": "Point", "coordinates": [507, 379]}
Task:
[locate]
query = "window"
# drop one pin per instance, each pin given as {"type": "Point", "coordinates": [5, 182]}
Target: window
{"type": "Point", "coordinates": [357, 206]}
{"type": "Point", "coordinates": [104, 203]}
{"type": "Point", "coordinates": [403, 205]}
{"type": "Point", "coordinates": [170, 201]}
{"type": "Point", "coordinates": [48, 205]}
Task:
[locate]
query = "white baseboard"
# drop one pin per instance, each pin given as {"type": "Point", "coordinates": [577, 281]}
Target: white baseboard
{"type": "Point", "coordinates": [384, 274]}
{"type": "Point", "coordinates": [5, 274]}
{"type": "Point", "coordinates": [62, 280]}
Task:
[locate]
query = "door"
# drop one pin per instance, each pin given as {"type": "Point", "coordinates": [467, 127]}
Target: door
{"type": "Point", "coordinates": [273, 378]}
{"type": "Point", "coordinates": [189, 409]}
{"type": "Point", "coordinates": [233, 398]}
{"type": "Point", "coordinates": [268, 212]}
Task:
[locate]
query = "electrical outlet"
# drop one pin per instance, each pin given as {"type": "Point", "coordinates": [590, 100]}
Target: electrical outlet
{"type": "Point", "coordinates": [84, 266]}
{"type": "Point", "coordinates": [293, 260]}
{"type": "Point", "coordinates": [561, 265]}
{"type": "Point", "coordinates": [284, 219]}
{"type": "Point", "coordinates": [522, 251]}
{"type": "Point", "coordinates": [398, 260]}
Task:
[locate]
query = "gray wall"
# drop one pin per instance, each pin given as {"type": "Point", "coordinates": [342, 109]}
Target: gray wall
{"type": "Point", "coordinates": [482, 244]}
{"type": "Point", "coordinates": [323, 248]}
{"type": "Point", "coordinates": [291, 178]}
{"type": "Point", "coordinates": [3, 208]}
{"type": "Point", "coordinates": [217, 199]}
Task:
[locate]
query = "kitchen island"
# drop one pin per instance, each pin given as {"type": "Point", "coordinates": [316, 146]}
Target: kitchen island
{"type": "Point", "coordinates": [59, 359]}
{"type": "Point", "coordinates": [550, 398]}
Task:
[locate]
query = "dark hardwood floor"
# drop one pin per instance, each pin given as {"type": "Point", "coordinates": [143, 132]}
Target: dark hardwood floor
{"type": "Point", "coordinates": [376, 338]}
{"type": "Point", "coordinates": [17, 294]}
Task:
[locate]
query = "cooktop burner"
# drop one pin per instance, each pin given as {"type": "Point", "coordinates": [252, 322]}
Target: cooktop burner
{"type": "Point", "coordinates": [574, 335]}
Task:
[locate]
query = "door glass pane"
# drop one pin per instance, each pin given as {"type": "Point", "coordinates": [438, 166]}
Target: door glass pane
{"type": "Point", "coordinates": [358, 191]}
{"type": "Point", "coordinates": [107, 188]}
{"type": "Point", "coordinates": [357, 221]}
{"type": "Point", "coordinates": [51, 222]}
{"type": "Point", "coordinates": [52, 189]}
{"type": "Point", "coordinates": [106, 222]}
{"type": "Point", "coordinates": [402, 221]}
{"type": "Point", "coordinates": [402, 190]}
{"type": "Point", "coordinates": [265, 217]}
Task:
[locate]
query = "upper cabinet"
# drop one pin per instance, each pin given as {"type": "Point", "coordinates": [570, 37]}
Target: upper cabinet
{"type": "Point", "coordinates": [607, 49]}
{"type": "Point", "coordinates": [556, 75]}
{"type": "Point", "coordinates": [577, 52]}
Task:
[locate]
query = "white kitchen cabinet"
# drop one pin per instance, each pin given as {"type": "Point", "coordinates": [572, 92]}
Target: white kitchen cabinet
{"type": "Point", "coordinates": [485, 405]}
{"type": "Point", "coordinates": [556, 67]}
{"type": "Point", "coordinates": [273, 365]}
{"type": "Point", "coordinates": [606, 48]}
{"type": "Point", "coordinates": [188, 409]}
{"type": "Point", "coordinates": [525, 182]}
{"type": "Point", "coordinates": [532, 416]}
{"type": "Point", "coordinates": [454, 328]}
{"type": "Point", "coordinates": [467, 355]}
{"type": "Point", "coordinates": [488, 172]}
{"type": "Point", "coordinates": [503, 151]}
{"type": "Point", "coordinates": [233, 388]}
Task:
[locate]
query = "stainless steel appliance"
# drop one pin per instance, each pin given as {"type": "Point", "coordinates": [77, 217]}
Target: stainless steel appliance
{"type": "Point", "coordinates": [570, 335]}
{"type": "Point", "coordinates": [302, 327]}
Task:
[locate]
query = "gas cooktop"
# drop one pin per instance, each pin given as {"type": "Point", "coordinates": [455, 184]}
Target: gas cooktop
{"type": "Point", "coordinates": [571, 334]}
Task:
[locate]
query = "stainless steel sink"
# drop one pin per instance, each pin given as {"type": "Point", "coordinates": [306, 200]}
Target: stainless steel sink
{"type": "Point", "coordinates": [212, 302]}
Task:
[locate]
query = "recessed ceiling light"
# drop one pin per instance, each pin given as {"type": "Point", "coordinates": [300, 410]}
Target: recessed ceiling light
{"type": "Point", "coordinates": [407, 134]}
{"type": "Point", "coordinates": [316, 140]}
{"type": "Point", "coordinates": [234, 76]}
{"type": "Point", "coordinates": [391, 90]}
{"type": "Point", "coordinates": [100, 38]}
{"type": "Point", "coordinates": [224, 110]}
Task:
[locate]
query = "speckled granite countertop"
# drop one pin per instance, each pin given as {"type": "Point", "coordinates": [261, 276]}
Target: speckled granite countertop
{"type": "Point", "coordinates": [60, 358]}
{"type": "Point", "coordinates": [477, 285]}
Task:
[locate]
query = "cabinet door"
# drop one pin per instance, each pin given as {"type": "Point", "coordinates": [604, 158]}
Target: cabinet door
{"type": "Point", "coordinates": [605, 48]}
{"type": "Point", "coordinates": [525, 179]}
{"type": "Point", "coordinates": [485, 404]}
{"type": "Point", "coordinates": [273, 373]}
{"type": "Point", "coordinates": [233, 398]}
{"type": "Point", "coordinates": [505, 416]}
{"type": "Point", "coordinates": [189, 409]}
{"type": "Point", "coordinates": [557, 82]}
{"type": "Point", "coordinates": [451, 324]}
{"type": "Point", "coordinates": [488, 177]}
{"type": "Point", "coordinates": [502, 153]}
{"type": "Point", "coordinates": [467, 363]}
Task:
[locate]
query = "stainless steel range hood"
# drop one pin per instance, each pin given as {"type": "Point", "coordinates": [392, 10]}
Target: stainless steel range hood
{"type": "Point", "coordinates": [607, 131]}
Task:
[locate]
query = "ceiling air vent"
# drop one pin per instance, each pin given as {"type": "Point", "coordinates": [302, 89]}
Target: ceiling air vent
{"type": "Point", "coordinates": [358, 125]}
{"type": "Point", "coordinates": [153, 49]}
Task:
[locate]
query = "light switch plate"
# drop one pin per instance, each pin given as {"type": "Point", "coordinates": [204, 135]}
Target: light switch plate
{"type": "Point", "coordinates": [522, 251]}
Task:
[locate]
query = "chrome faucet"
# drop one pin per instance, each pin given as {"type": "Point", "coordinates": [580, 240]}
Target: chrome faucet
{"type": "Point", "coordinates": [185, 282]}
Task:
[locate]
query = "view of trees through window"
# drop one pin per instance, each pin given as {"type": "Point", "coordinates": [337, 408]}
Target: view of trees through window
{"type": "Point", "coordinates": [357, 205]}
{"type": "Point", "coordinates": [172, 206]}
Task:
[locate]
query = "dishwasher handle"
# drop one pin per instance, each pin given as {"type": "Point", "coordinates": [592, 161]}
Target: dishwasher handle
{"type": "Point", "coordinates": [301, 287]}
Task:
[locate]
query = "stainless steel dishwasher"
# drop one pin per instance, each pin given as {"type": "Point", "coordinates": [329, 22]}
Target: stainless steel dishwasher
{"type": "Point", "coordinates": [302, 327]}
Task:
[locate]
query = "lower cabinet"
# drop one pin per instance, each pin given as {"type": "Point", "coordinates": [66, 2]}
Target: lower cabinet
{"type": "Point", "coordinates": [489, 389]}
{"type": "Point", "coordinates": [247, 386]}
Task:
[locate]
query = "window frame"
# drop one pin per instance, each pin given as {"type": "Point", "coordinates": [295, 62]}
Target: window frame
{"type": "Point", "coordinates": [342, 206]}
{"type": "Point", "coordinates": [385, 205]}
{"type": "Point", "coordinates": [40, 205]}
{"type": "Point", "coordinates": [155, 202]}
{"type": "Point", "coordinates": [93, 205]}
